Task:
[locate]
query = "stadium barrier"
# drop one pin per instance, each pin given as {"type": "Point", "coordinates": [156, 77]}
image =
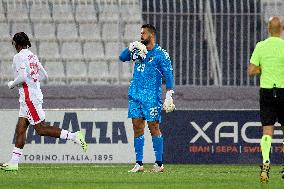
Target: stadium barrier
{"type": "Point", "coordinates": [108, 134]}
{"type": "Point", "coordinates": [191, 136]}
{"type": "Point", "coordinates": [217, 136]}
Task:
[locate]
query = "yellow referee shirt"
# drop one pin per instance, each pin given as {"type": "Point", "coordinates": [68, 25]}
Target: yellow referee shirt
{"type": "Point", "coordinates": [269, 55]}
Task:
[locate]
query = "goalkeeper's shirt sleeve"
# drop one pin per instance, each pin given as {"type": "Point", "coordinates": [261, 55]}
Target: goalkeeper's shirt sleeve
{"type": "Point", "coordinates": [167, 69]}
{"type": "Point", "coordinates": [125, 55]}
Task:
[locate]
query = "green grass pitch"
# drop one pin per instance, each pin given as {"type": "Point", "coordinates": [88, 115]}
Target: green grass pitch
{"type": "Point", "coordinates": [69, 176]}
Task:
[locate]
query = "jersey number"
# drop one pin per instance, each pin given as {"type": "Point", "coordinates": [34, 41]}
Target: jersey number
{"type": "Point", "coordinates": [33, 67]}
{"type": "Point", "coordinates": [154, 111]}
{"type": "Point", "coordinates": [141, 68]}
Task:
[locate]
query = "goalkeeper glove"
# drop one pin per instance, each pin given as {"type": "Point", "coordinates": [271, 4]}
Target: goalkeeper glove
{"type": "Point", "coordinates": [138, 50]}
{"type": "Point", "coordinates": [168, 105]}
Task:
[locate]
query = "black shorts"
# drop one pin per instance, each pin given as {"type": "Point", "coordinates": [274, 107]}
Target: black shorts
{"type": "Point", "coordinates": [271, 106]}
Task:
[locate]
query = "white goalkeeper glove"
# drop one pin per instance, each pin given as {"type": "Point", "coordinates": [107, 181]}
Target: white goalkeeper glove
{"type": "Point", "coordinates": [138, 50]}
{"type": "Point", "coordinates": [168, 105]}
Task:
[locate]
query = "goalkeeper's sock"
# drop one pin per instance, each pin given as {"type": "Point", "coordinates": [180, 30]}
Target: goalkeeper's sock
{"type": "Point", "coordinates": [16, 155]}
{"type": "Point", "coordinates": [158, 145]}
{"type": "Point", "coordinates": [265, 144]}
{"type": "Point", "coordinates": [67, 135]}
{"type": "Point", "coordinates": [139, 146]}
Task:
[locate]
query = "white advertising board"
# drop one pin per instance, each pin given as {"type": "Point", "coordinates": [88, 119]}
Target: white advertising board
{"type": "Point", "coordinates": [108, 133]}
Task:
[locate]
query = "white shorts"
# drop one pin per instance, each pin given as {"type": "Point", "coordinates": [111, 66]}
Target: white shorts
{"type": "Point", "coordinates": [33, 112]}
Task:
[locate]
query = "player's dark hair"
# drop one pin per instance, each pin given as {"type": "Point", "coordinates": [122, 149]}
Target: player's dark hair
{"type": "Point", "coordinates": [150, 27]}
{"type": "Point", "coordinates": [22, 40]}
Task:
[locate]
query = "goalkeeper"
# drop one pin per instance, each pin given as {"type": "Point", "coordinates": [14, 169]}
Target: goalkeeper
{"type": "Point", "coordinates": [145, 93]}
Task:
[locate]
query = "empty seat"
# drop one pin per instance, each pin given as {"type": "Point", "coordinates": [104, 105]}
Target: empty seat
{"type": "Point", "coordinates": [71, 50]}
{"type": "Point", "coordinates": [44, 30]}
{"type": "Point", "coordinates": [90, 31]}
{"type": "Point", "coordinates": [40, 11]}
{"type": "Point", "coordinates": [6, 70]}
{"type": "Point", "coordinates": [67, 31]}
{"type": "Point", "coordinates": [127, 68]}
{"type": "Point", "coordinates": [114, 69]}
{"type": "Point", "coordinates": [98, 69]}
{"type": "Point", "coordinates": [2, 12]}
{"type": "Point", "coordinates": [132, 32]}
{"type": "Point", "coordinates": [62, 11]}
{"type": "Point", "coordinates": [131, 13]}
{"type": "Point", "coordinates": [4, 31]}
{"type": "Point", "coordinates": [17, 10]}
{"type": "Point", "coordinates": [85, 12]}
{"type": "Point", "coordinates": [93, 50]}
{"type": "Point", "coordinates": [55, 71]}
{"type": "Point", "coordinates": [110, 32]}
{"type": "Point", "coordinates": [76, 69]}
{"type": "Point", "coordinates": [48, 50]}
{"type": "Point", "coordinates": [112, 49]}
{"type": "Point", "coordinates": [22, 27]}
{"type": "Point", "coordinates": [109, 13]}
{"type": "Point", "coordinates": [7, 50]}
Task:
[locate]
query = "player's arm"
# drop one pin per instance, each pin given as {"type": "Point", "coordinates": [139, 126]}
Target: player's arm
{"type": "Point", "coordinates": [254, 67]}
{"type": "Point", "coordinates": [167, 70]}
{"type": "Point", "coordinates": [21, 71]}
{"type": "Point", "coordinates": [42, 73]}
{"type": "Point", "coordinates": [21, 78]}
{"type": "Point", "coordinates": [125, 55]}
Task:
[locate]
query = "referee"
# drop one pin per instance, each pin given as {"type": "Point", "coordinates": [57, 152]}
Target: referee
{"type": "Point", "coordinates": [267, 60]}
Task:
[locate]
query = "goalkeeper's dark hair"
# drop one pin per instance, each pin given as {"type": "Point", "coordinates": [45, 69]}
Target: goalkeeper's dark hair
{"type": "Point", "coordinates": [22, 40]}
{"type": "Point", "coordinates": [150, 27]}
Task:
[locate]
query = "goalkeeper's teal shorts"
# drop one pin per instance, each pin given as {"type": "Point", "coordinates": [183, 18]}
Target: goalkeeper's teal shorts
{"type": "Point", "coordinates": [148, 110]}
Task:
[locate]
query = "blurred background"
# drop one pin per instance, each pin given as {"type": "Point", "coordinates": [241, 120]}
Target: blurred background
{"type": "Point", "coordinates": [78, 42]}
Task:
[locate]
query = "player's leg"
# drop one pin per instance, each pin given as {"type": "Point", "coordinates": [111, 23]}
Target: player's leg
{"type": "Point", "coordinates": [46, 130]}
{"type": "Point", "coordinates": [265, 142]}
{"type": "Point", "coordinates": [20, 138]}
{"type": "Point", "coordinates": [138, 128]}
{"type": "Point", "coordinates": [152, 110]}
{"type": "Point", "coordinates": [37, 117]}
{"type": "Point", "coordinates": [158, 145]}
{"type": "Point", "coordinates": [268, 115]}
{"type": "Point", "coordinates": [134, 112]}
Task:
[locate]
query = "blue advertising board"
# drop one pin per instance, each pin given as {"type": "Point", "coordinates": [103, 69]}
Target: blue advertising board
{"type": "Point", "coordinates": [219, 136]}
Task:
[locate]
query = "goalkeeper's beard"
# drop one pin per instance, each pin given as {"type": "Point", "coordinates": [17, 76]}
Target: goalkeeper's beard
{"type": "Point", "coordinates": [145, 42]}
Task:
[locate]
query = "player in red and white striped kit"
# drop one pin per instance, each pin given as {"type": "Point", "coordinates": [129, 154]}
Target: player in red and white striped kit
{"type": "Point", "coordinates": [28, 73]}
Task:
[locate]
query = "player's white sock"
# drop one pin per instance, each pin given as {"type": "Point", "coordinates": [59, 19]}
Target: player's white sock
{"type": "Point", "coordinates": [67, 135]}
{"type": "Point", "coordinates": [16, 155]}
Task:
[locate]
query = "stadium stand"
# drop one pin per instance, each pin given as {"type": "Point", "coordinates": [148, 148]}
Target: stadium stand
{"type": "Point", "coordinates": [93, 50]}
{"type": "Point", "coordinates": [71, 33]}
{"type": "Point", "coordinates": [39, 11]}
{"type": "Point", "coordinates": [78, 40]}
{"type": "Point", "coordinates": [56, 73]}
{"type": "Point", "coordinates": [49, 50]}
{"type": "Point", "coordinates": [89, 32]}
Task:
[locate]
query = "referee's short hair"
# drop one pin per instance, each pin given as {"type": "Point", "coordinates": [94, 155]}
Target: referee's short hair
{"type": "Point", "coordinates": [21, 39]}
{"type": "Point", "coordinates": [150, 27]}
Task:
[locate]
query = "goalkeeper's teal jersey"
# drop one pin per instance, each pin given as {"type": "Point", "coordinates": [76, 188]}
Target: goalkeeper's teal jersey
{"type": "Point", "coordinates": [146, 84]}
